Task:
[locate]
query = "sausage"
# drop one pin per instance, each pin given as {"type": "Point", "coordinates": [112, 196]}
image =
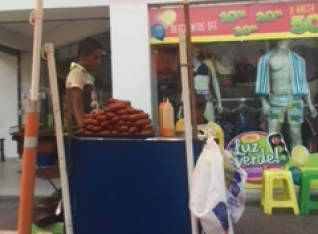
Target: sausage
{"type": "Point", "coordinates": [147, 133]}
{"type": "Point", "coordinates": [117, 106]}
{"type": "Point", "coordinates": [105, 124]}
{"type": "Point", "coordinates": [89, 121]}
{"type": "Point", "coordinates": [139, 116]}
{"type": "Point", "coordinates": [122, 112]}
{"type": "Point", "coordinates": [89, 128]}
{"type": "Point", "coordinates": [125, 117]}
{"type": "Point", "coordinates": [115, 120]}
{"type": "Point", "coordinates": [110, 115]}
{"type": "Point", "coordinates": [129, 123]}
{"type": "Point", "coordinates": [115, 133]}
{"type": "Point", "coordinates": [133, 130]}
{"type": "Point", "coordinates": [88, 133]}
{"type": "Point", "coordinates": [137, 111]}
{"type": "Point", "coordinates": [147, 127]}
{"type": "Point", "coordinates": [141, 122]}
{"type": "Point", "coordinates": [130, 110]}
{"type": "Point", "coordinates": [113, 100]}
{"type": "Point", "coordinates": [105, 133]}
{"type": "Point", "coordinates": [123, 129]}
{"type": "Point", "coordinates": [101, 118]}
{"type": "Point", "coordinates": [97, 129]}
{"type": "Point", "coordinates": [121, 122]}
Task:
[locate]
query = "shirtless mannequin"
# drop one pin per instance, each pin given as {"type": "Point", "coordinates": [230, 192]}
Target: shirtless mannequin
{"type": "Point", "coordinates": [280, 95]}
{"type": "Point", "coordinates": [204, 75]}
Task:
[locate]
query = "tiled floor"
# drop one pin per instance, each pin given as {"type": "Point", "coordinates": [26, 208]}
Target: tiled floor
{"type": "Point", "coordinates": [10, 180]}
{"type": "Point", "coordinates": [253, 220]}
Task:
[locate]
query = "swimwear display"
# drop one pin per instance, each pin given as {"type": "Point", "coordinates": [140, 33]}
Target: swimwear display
{"type": "Point", "coordinates": [286, 107]}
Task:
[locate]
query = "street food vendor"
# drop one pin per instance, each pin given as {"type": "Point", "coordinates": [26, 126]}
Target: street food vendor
{"type": "Point", "coordinates": [81, 94]}
{"type": "Point", "coordinates": [81, 99]}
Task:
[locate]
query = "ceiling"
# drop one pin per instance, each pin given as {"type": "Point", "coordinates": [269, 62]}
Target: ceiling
{"type": "Point", "coordinates": [60, 26]}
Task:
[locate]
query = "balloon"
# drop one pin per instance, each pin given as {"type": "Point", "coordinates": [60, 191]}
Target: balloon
{"type": "Point", "coordinates": [300, 155]}
{"type": "Point", "coordinates": [158, 32]}
{"type": "Point", "coordinates": [296, 173]}
{"type": "Point", "coordinates": [168, 18]}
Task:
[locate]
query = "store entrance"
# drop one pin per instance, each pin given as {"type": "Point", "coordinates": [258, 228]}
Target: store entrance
{"type": "Point", "coordinates": [8, 101]}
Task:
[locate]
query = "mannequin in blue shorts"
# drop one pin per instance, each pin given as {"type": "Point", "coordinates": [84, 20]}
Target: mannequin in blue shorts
{"type": "Point", "coordinates": [282, 86]}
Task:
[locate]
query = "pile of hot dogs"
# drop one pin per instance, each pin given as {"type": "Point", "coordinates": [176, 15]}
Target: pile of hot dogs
{"type": "Point", "coordinates": [118, 118]}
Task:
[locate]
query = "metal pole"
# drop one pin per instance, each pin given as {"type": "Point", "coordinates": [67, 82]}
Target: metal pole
{"type": "Point", "coordinates": [49, 50]}
{"type": "Point", "coordinates": [190, 68]}
{"type": "Point", "coordinates": [31, 130]}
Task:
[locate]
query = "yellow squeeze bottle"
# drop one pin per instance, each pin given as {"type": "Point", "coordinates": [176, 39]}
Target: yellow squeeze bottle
{"type": "Point", "coordinates": [168, 125]}
{"type": "Point", "coordinates": [161, 116]}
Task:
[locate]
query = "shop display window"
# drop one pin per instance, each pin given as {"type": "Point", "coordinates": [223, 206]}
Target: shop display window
{"type": "Point", "coordinates": [245, 58]}
{"type": "Point", "coordinates": [235, 66]}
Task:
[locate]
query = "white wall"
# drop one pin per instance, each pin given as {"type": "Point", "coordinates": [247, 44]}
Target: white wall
{"type": "Point", "coordinates": [30, 4]}
{"type": "Point", "coordinates": [8, 101]}
{"type": "Point", "coordinates": [131, 54]}
{"type": "Point", "coordinates": [26, 70]}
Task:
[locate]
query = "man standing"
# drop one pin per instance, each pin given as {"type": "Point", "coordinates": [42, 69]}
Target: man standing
{"type": "Point", "coordinates": [81, 99]}
{"type": "Point", "coordinates": [281, 84]}
{"type": "Point", "coordinates": [80, 89]}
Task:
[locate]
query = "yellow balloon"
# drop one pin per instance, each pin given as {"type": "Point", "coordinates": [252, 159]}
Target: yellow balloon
{"type": "Point", "coordinates": [300, 155]}
{"type": "Point", "coordinates": [168, 18]}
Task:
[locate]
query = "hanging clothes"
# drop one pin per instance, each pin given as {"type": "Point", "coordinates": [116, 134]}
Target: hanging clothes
{"type": "Point", "coordinates": [244, 121]}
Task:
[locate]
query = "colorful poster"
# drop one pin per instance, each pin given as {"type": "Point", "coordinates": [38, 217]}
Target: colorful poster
{"type": "Point", "coordinates": [256, 151]}
{"type": "Point", "coordinates": [236, 22]}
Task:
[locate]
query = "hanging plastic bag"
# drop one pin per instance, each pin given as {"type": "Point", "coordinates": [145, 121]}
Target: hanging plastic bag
{"type": "Point", "coordinates": [208, 196]}
{"type": "Point", "coordinates": [235, 188]}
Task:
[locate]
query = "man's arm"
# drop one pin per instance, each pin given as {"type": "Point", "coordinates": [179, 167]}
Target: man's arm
{"type": "Point", "coordinates": [78, 109]}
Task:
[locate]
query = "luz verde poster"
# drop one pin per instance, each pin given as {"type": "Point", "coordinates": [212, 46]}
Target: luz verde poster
{"type": "Point", "coordinates": [256, 151]}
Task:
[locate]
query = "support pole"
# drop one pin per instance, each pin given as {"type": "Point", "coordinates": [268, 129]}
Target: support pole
{"type": "Point", "coordinates": [187, 119]}
{"type": "Point", "coordinates": [49, 51]}
{"type": "Point", "coordinates": [190, 68]}
{"type": "Point", "coordinates": [31, 130]}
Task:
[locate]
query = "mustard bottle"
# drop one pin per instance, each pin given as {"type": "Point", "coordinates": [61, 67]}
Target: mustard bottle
{"type": "Point", "coordinates": [168, 125]}
{"type": "Point", "coordinates": [161, 116]}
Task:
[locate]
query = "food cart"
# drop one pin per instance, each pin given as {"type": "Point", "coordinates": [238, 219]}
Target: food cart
{"type": "Point", "coordinates": [129, 185]}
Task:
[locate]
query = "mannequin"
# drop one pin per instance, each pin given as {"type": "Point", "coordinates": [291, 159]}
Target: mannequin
{"type": "Point", "coordinates": [204, 75]}
{"type": "Point", "coordinates": [225, 67]}
{"type": "Point", "coordinates": [282, 86]}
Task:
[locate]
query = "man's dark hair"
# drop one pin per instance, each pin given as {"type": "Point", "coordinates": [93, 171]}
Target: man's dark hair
{"type": "Point", "coordinates": [88, 46]}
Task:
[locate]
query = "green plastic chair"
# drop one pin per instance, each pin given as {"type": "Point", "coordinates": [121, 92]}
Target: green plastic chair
{"type": "Point", "coordinates": [306, 204]}
{"type": "Point", "coordinates": [57, 228]}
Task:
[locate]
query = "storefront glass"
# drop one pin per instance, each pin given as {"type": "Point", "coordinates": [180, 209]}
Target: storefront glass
{"type": "Point", "coordinates": [255, 66]}
{"type": "Point", "coordinates": [228, 41]}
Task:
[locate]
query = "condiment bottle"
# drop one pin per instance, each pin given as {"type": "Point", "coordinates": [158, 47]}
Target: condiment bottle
{"type": "Point", "coordinates": [161, 116]}
{"type": "Point", "coordinates": [168, 125]}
